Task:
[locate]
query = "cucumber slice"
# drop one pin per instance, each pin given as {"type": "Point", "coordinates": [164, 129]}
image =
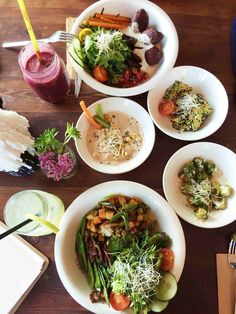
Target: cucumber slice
{"type": "Point", "coordinates": [74, 55]}
{"type": "Point", "coordinates": [167, 288]}
{"type": "Point", "coordinates": [77, 48]}
{"type": "Point", "coordinates": [159, 306]}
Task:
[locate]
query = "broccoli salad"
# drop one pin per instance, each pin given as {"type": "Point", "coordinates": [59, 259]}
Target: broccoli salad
{"type": "Point", "coordinates": [190, 109]}
{"type": "Point", "coordinates": [205, 192]}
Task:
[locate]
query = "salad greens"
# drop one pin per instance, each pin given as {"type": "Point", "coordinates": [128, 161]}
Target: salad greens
{"type": "Point", "coordinates": [106, 48]}
{"type": "Point", "coordinates": [205, 192]}
{"type": "Point", "coordinates": [136, 272]}
{"type": "Point", "coordinates": [122, 253]}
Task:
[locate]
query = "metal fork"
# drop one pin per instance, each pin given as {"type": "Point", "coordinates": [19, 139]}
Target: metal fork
{"type": "Point", "coordinates": [232, 261]}
{"type": "Point", "coordinates": [58, 36]}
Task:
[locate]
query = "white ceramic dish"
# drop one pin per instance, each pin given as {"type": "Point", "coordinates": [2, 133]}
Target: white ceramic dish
{"type": "Point", "coordinates": [72, 278]}
{"type": "Point", "coordinates": [224, 159]}
{"type": "Point", "coordinates": [202, 82]}
{"type": "Point", "coordinates": [157, 18]}
{"type": "Point", "coordinates": [130, 108]}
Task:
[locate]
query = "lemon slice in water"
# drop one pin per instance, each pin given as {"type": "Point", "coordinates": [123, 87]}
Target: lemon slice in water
{"type": "Point", "coordinates": [43, 222]}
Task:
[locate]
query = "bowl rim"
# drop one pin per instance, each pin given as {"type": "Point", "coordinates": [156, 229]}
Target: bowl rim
{"type": "Point", "coordinates": [193, 221]}
{"type": "Point", "coordinates": [158, 199]}
{"type": "Point", "coordinates": [118, 169]}
{"type": "Point", "coordinates": [131, 91]}
{"type": "Point", "coordinates": [187, 137]}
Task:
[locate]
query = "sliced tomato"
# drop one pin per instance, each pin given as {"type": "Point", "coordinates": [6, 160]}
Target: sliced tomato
{"type": "Point", "coordinates": [166, 107]}
{"type": "Point", "coordinates": [119, 301]}
{"type": "Point", "coordinates": [167, 262]}
{"type": "Point", "coordinates": [100, 74]}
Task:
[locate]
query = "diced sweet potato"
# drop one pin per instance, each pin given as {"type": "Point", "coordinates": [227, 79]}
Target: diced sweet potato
{"type": "Point", "coordinates": [109, 214]}
{"type": "Point", "coordinates": [91, 226]}
{"type": "Point", "coordinates": [133, 202]}
{"type": "Point", "coordinates": [102, 213]}
{"type": "Point", "coordinates": [96, 220]}
{"type": "Point", "coordinates": [140, 217]}
{"type": "Point", "coordinates": [132, 225]}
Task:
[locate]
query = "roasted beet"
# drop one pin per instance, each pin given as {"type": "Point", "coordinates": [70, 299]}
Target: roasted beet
{"type": "Point", "coordinates": [131, 41]}
{"type": "Point", "coordinates": [140, 21]}
{"type": "Point", "coordinates": [153, 55]}
{"type": "Point", "coordinates": [151, 36]}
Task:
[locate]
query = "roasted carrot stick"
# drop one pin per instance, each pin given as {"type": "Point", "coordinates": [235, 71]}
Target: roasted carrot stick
{"type": "Point", "coordinates": [89, 116]}
{"type": "Point", "coordinates": [114, 17]}
{"type": "Point", "coordinates": [105, 24]}
{"type": "Point", "coordinates": [112, 21]}
{"type": "Point", "coordinates": [105, 19]}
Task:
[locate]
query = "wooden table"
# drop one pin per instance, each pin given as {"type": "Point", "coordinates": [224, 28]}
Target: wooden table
{"type": "Point", "coordinates": [204, 33]}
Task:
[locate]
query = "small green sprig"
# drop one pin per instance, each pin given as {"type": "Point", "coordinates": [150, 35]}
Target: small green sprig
{"type": "Point", "coordinates": [47, 141]}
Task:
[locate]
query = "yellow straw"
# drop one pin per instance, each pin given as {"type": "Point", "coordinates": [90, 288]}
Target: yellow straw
{"type": "Point", "coordinates": [29, 28]}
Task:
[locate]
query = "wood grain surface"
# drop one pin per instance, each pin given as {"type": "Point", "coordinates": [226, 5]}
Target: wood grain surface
{"type": "Point", "coordinates": [204, 34]}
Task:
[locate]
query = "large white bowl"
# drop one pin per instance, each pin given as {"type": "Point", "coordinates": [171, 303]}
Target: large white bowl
{"type": "Point", "coordinates": [224, 159]}
{"type": "Point", "coordinates": [130, 108]}
{"type": "Point", "coordinates": [157, 18]}
{"type": "Point", "coordinates": [202, 82]}
{"type": "Point", "coordinates": [72, 278]}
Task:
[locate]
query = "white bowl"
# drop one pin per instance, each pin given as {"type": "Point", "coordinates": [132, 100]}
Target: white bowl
{"type": "Point", "coordinates": [130, 108]}
{"type": "Point", "coordinates": [202, 82]}
{"type": "Point", "coordinates": [157, 18]}
{"type": "Point", "coordinates": [72, 278]}
{"type": "Point", "coordinates": [224, 159]}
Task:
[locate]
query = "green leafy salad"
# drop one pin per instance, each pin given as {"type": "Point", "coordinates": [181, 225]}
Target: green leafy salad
{"type": "Point", "coordinates": [190, 109]}
{"type": "Point", "coordinates": [127, 261]}
{"type": "Point", "coordinates": [108, 56]}
{"type": "Point", "coordinates": [200, 183]}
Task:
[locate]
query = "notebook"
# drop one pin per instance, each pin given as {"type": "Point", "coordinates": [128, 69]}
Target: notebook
{"type": "Point", "coordinates": [21, 265]}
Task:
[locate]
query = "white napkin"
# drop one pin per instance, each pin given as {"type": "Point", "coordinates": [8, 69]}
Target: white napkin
{"type": "Point", "coordinates": [20, 267]}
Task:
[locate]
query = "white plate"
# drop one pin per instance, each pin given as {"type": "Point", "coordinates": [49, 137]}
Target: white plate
{"type": "Point", "coordinates": [130, 108]}
{"type": "Point", "coordinates": [157, 18]}
{"type": "Point", "coordinates": [72, 278]}
{"type": "Point", "coordinates": [224, 159]}
{"type": "Point", "coordinates": [202, 82]}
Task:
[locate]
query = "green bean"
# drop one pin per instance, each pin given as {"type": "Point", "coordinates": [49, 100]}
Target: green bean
{"type": "Point", "coordinates": [116, 216]}
{"type": "Point", "coordinates": [90, 275]}
{"type": "Point", "coordinates": [97, 282]}
{"type": "Point", "coordinates": [99, 112]}
{"type": "Point", "coordinates": [130, 207]}
{"type": "Point", "coordinates": [81, 252]}
{"type": "Point", "coordinates": [102, 280]}
{"type": "Point", "coordinates": [126, 220]}
{"type": "Point", "coordinates": [103, 123]}
{"type": "Point", "coordinates": [82, 225]}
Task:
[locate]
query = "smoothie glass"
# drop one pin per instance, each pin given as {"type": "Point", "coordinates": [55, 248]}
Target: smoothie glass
{"type": "Point", "coordinates": [49, 79]}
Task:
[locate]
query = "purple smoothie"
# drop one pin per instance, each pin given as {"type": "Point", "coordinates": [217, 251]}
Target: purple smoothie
{"type": "Point", "coordinates": [49, 78]}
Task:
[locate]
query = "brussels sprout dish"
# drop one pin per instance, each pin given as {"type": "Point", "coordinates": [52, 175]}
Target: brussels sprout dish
{"type": "Point", "coordinates": [204, 190]}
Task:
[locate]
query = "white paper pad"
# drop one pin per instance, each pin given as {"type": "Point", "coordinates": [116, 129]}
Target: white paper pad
{"type": "Point", "coordinates": [20, 267]}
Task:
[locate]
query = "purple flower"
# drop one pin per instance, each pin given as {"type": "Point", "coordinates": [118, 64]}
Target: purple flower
{"type": "Point", "coordinates": [56, 166]}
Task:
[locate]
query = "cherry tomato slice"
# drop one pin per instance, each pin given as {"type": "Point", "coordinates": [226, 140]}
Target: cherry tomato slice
{"type": "Point", "coordinates": [119, 301]}
{"type": "Point", "coordinates": [166, 107]}
{"type": "Point", "coordinates": [100, 74]}
{"type": "Point", "coordinates": [167, 262]}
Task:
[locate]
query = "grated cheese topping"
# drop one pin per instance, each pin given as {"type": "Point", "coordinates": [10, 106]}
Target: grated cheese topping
{"type": "Point", "coordinates": [187, 102]}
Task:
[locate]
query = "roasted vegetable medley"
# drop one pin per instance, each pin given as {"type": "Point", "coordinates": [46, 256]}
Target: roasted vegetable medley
{"type": "Point", "coordinates": [200, 183]}
{"type": "Point", "coordinates": [126, 260]}
{"type": "Point", "coordinates": [186, 109]}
